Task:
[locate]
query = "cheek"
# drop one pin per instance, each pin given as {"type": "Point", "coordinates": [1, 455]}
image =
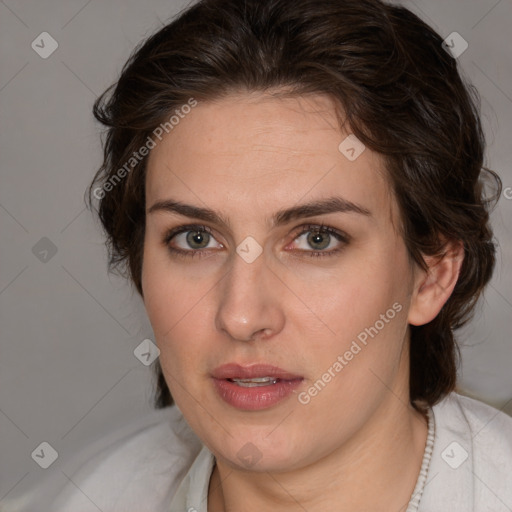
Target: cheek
{"type": "Point", "coordinates": [169, 292]}
{"type": "Point", "coordinates": [363, 311]}
{"type": "Point", "coordinates": [352, 296]}
{"type": "Point", "coordinates": [156, 290]}
{"type": "Point", "coordinates": [176, 303]}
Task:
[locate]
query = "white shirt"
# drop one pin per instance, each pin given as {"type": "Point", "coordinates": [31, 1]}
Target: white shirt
{"type": "Point", "coordinates": [159, 465]}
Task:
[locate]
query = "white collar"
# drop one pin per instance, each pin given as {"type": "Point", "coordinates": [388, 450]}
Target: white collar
{"type": "Point", "coordinates": [192, 493]}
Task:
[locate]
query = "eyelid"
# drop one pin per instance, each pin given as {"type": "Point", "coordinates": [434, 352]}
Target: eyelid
{"type": "Point", "coordinates": [323, 228]}
{"type": "Point", "coordinates": [171, 233]}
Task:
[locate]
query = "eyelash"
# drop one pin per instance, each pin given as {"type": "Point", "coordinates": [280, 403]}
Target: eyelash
{"type": "Point", "coordinates": [317, 228]}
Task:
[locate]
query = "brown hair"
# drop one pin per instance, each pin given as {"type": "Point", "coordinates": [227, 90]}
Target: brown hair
{"type": "Point", "coordinates": [399, 90]}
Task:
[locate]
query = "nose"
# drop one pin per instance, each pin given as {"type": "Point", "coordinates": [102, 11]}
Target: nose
{"type": "Point", "coordinates": [249, 303]}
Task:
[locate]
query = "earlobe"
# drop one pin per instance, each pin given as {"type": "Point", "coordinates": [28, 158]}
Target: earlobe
{"type": "Point", "coordinates": [433, 288]}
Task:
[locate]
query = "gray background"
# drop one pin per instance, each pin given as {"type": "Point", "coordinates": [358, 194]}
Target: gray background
{"type": "Point", "coordinates": [68, 330]}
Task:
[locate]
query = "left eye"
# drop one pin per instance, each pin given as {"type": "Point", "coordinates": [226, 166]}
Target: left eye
{"type": "Point", "coordinates": [319, 239]}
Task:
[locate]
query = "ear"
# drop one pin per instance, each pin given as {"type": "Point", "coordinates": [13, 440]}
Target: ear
{"type": "Point", "coordinates": [433, 288]}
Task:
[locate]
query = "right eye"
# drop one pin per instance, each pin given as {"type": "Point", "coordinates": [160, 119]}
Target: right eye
{"type": "Point", "coordinates": [191, 240]}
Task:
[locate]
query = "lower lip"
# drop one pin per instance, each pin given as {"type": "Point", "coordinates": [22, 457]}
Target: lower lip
{"type": "Point", "coordinates": [255, 398]}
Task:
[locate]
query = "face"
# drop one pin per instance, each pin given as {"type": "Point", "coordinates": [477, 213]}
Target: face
{"type": "Point", "coordinates": [237, 269]}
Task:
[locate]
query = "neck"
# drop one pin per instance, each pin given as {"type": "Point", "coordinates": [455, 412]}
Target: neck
{"type": "Point", "coordinates": [376, 468]}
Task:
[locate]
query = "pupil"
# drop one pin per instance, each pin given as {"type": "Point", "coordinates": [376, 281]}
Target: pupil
{"type": "Point", "coordinates": [318, 240]}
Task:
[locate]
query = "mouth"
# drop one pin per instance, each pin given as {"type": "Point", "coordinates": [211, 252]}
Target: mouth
{"type": "Point", "coordinates": [254, 387]}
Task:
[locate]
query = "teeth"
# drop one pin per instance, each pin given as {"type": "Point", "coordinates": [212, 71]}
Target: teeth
{"type": "Point", "coordinates": [256, 381]}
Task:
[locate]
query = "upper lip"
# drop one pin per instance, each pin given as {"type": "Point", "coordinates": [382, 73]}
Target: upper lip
{"type": "Point", "coordinates": [236, 371]}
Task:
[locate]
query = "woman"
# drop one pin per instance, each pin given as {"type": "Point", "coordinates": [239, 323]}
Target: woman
{"type": "Point", "coordinates": [295, 189]}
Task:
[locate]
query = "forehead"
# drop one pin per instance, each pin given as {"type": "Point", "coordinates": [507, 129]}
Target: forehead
{"type": "Point", "coordinates": [260, 153]}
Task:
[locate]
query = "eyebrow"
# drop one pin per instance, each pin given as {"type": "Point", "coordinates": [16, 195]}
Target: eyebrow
{"type": "Point", "coordinates": [311, 209]}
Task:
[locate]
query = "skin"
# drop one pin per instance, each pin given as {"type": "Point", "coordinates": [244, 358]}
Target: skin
{"type": "Point", "coordinates": [358, 444]}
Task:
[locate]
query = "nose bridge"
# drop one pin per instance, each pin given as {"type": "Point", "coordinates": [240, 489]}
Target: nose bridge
{"type": "Point", "coordinates": [247, 304]}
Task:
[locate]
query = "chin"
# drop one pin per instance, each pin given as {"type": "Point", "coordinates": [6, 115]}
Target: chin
{"type": "Point", "coordinates": [260, 452]}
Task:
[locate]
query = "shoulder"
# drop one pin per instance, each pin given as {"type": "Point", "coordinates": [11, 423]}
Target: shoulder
{"type": "Point", "coordinates": [489, 433]}
{"type": "Point", "coordinates": [488, 427]}
{"type": "Point", "coordinates": [472, 458]}
{"type": "Point", "coordinates": [136, 467]}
